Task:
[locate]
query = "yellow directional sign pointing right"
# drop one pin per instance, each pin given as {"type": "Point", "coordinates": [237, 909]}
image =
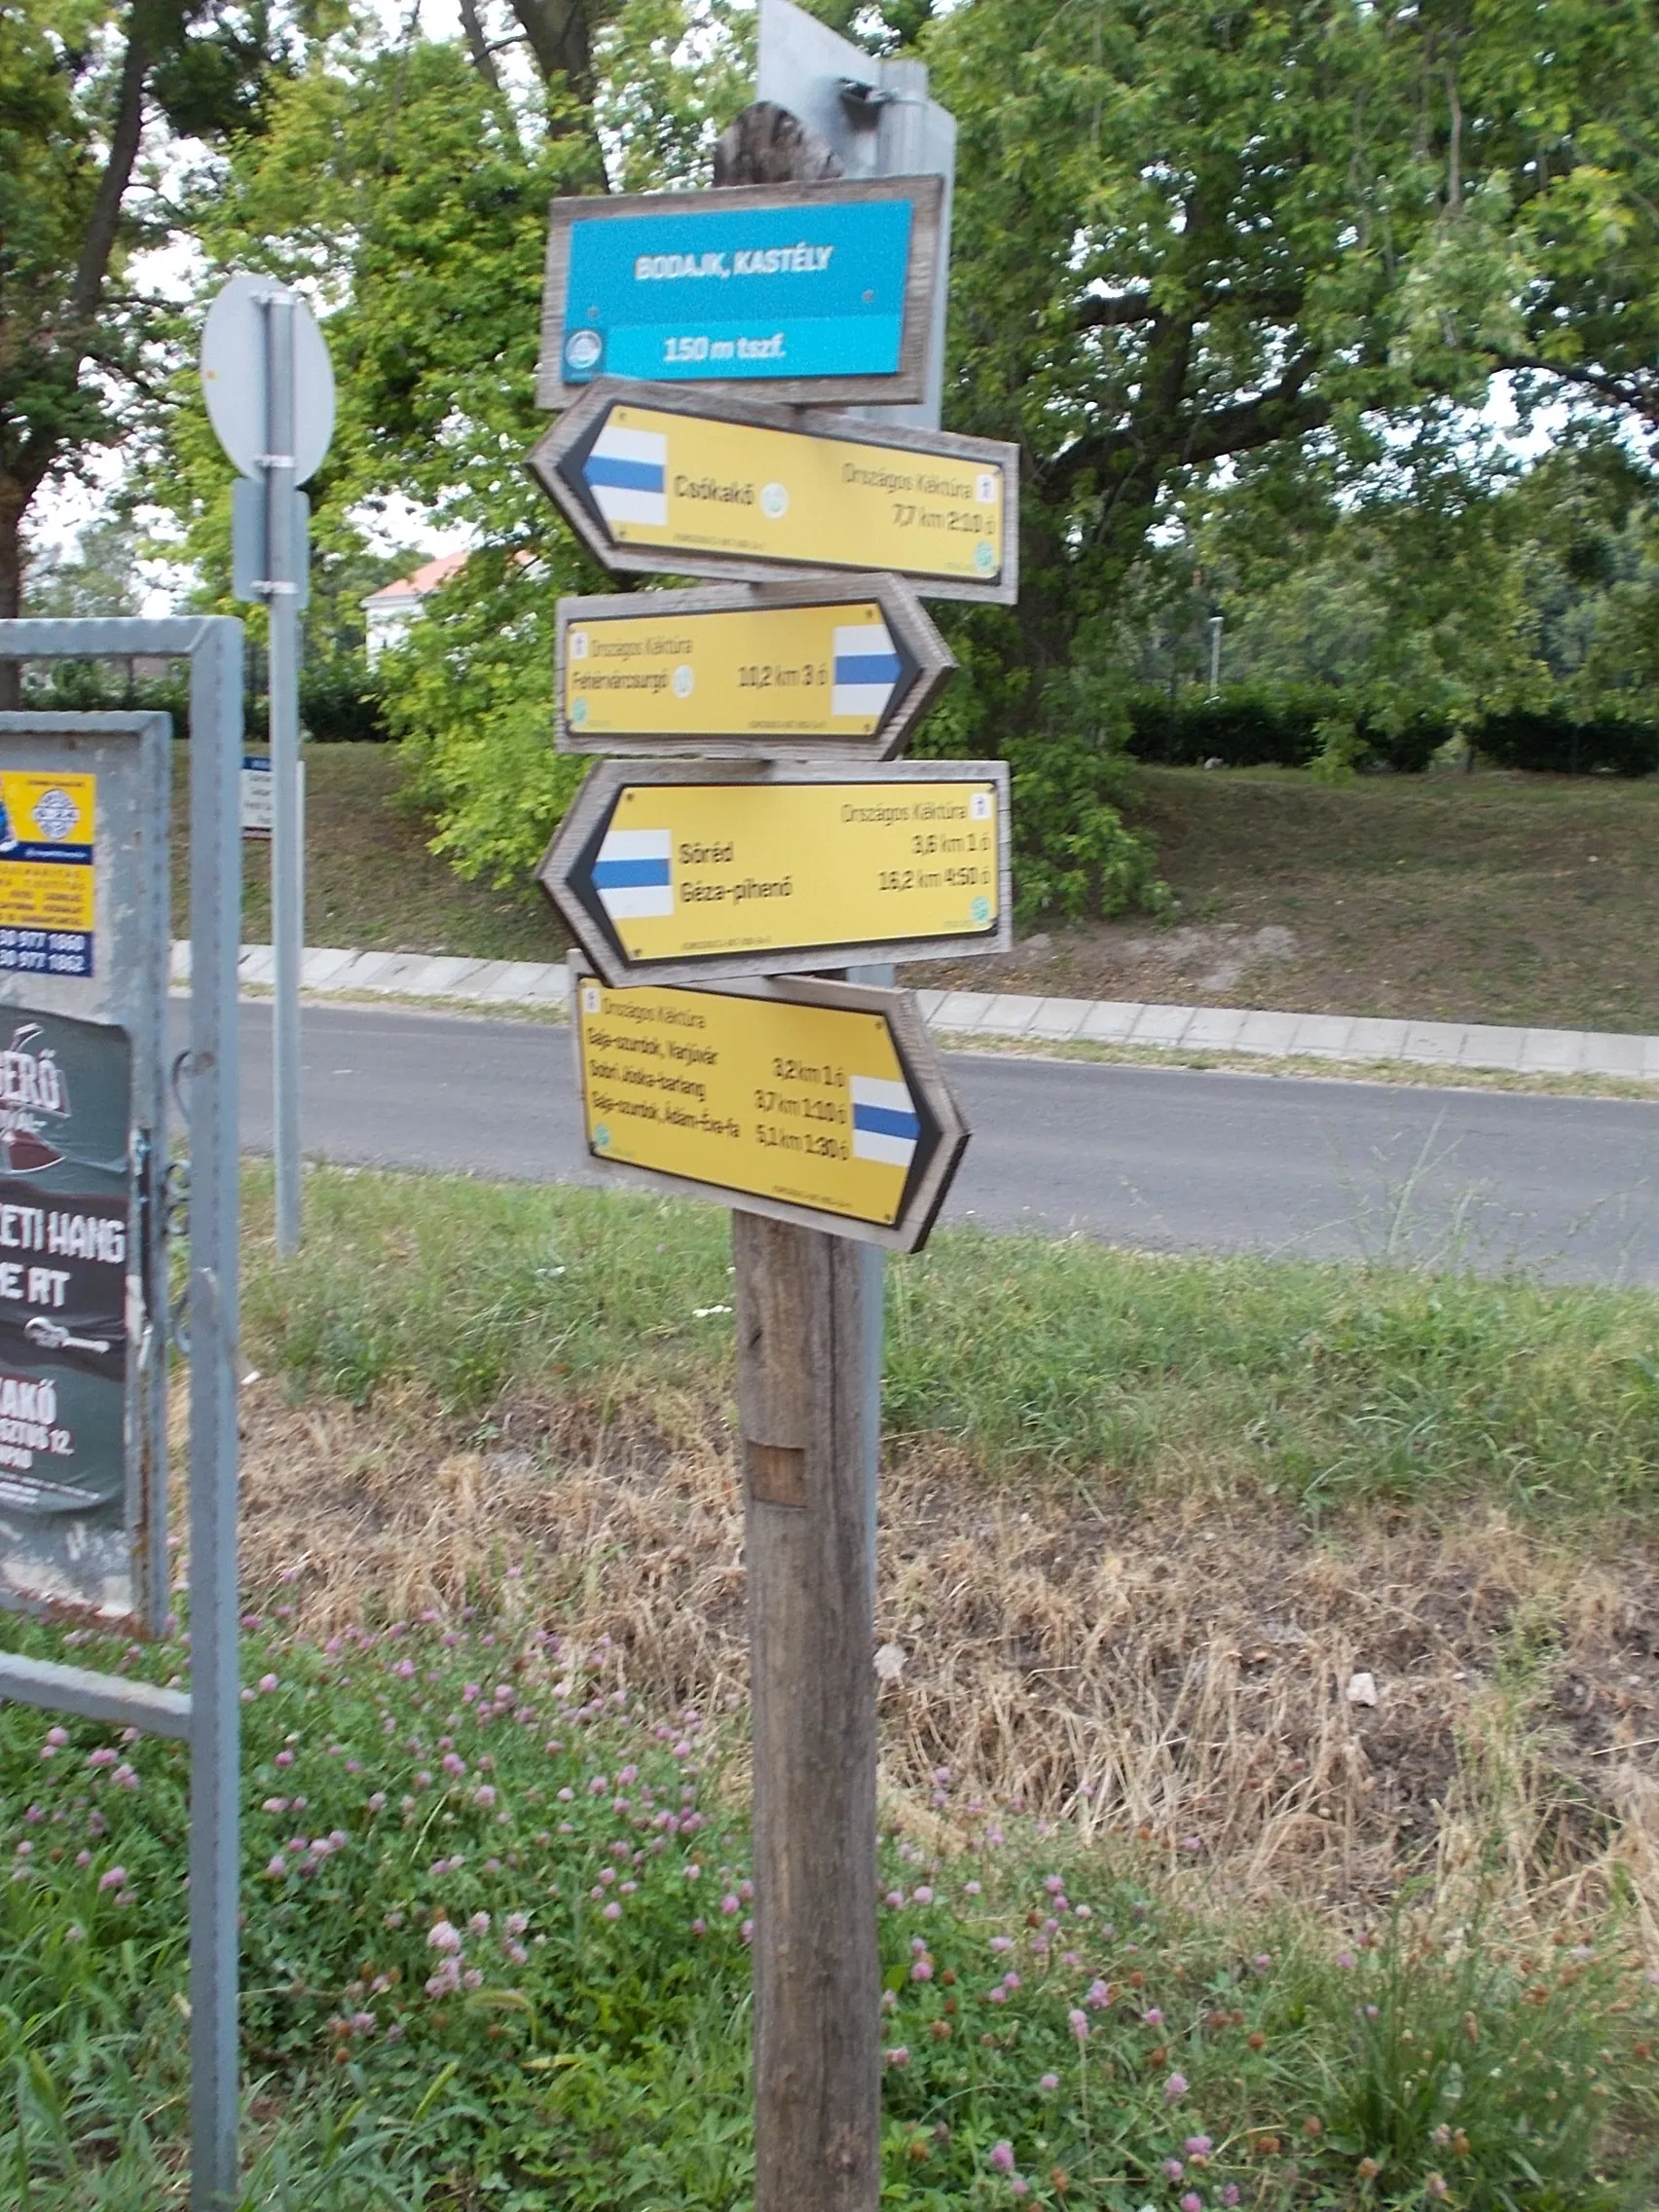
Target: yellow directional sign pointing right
{"type": "Point", "coordinates": [792, 671]}
{"type": "Point", "coordinates": [818, 1103]}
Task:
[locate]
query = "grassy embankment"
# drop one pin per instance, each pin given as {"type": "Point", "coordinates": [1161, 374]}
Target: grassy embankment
{"type": "Point", "coordinates": [1491, 898]}
{"type": "Point", "coordinates": [1144, 1522]}
{"type": "Point", "coordinates": [1448, 898]}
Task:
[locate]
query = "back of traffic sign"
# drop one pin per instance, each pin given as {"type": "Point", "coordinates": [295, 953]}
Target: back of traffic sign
{"type": "Point", "coordinates": [233, 377]}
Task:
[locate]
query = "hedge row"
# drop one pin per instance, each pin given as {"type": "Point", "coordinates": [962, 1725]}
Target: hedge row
{"type": "Point", "coordinates": [337, 706]}
{"type": "Point", "coordinates": [1246, 728]}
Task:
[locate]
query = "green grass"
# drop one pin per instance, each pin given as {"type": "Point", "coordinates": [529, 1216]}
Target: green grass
{"type": "Point", "coordinates": [590, 2059]}
{"type": "Point", "coordinates": [1491, 898]}
{"type": "Point", "coordinates": [1334, 1386]}
{"type": "Point", "coordinates": [372, 881]}
{"type": "Point", "coordinates": [495, 1955]}
{"type": "Point", "coordinates": [1496, 897]}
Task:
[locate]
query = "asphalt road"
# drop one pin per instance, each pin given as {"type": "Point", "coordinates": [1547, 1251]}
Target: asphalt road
{"type": "Point", "coordinates": [1169, 1159]}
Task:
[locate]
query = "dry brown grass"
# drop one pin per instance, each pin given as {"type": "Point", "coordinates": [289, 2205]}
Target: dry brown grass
{"type": "Point", "coordinates": [1178, 1673]}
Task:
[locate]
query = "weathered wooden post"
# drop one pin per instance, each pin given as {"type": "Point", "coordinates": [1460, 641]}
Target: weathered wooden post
{"type": "Point", "coordinates": [817, 1109]}
{"type": "Point", "coordinates": [817, 1974]}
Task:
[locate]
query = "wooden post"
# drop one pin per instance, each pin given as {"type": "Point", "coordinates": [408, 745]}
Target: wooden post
{"type": "Point", "coordinates": [801, 1357]}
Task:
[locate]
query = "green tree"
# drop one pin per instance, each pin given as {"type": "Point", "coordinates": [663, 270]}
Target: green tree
{"type": "Point", "coordinates": [84, 90]}
{"type": "Point", "coordinates": [1190, 232]}
{"type": "Point", "coordinates": [417, 180]}
{"type": "Point", "coordinates": [1270, 252]}
{"type": "Point", "coordinates": [101, 576]}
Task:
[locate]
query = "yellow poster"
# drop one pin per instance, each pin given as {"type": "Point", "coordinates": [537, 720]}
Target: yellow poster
{"type": "Point", "coordinates": [807, 1105]}
{"type": "Point", "coordinates": [687, 869]}
{"type": "Point", "coordinates": [825, 672]}
{"type": "Point", "coordinates": [47, 872]}
{"type": "Point", "coordinates": [732, 488]}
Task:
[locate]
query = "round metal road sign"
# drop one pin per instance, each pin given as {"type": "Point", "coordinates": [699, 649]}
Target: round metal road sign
{"type": "Point", "coordinates": [233, 377]}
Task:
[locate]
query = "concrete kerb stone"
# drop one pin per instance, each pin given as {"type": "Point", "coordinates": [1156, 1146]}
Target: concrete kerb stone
{"type": "Point", "coordinates": [1016, 1015]}
{"type": "Point", "coordinates": [1488, 1045]}
{"type": "Point", "coordinates": [1552, 1051]}
{"type": "Point", "coordinates": [1162, 1025]}
{"type": "Point", "coordinates": [1109, 1021]}
{"type": "Point", "coordinates": [1268, 1032]}
{"type": "Point", "coordinates": [364, 972]}
{"type": "Point", "coordinates": [1057, 1020]}
{"type": "Point", "coordinates": [1214, 1028]}
{"type": "Point", "coordinates": [322, 963]}
{"type": "Point", "coordinates": [1375, 1039]}
{"type": "Point", "coordinates": [961, 1012]}
{"type": "Point", "coordinates": [1323, 1036]}
{"type": "Point", "coordinates": [1009, 1015]}
{"type": "Point", "coordinates": [1609, 1054]}
{"type": "Point", "coordinates": [1434, 1043]}
{"type": "Point", "coordinates": [524, 982]}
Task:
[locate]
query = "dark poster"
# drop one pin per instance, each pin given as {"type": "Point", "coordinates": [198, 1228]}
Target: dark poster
{"type": "Point", "coordinates": [69, 1277]}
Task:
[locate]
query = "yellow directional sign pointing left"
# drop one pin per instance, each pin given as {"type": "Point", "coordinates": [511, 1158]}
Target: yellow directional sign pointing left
{"type": "Point", "coordinates": [668, 872]}
{"type": "Point", "coordinates": [653, 477]}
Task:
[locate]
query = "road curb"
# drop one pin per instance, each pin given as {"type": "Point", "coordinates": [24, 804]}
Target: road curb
{"type": "Point", "coordinates": [330, 970]}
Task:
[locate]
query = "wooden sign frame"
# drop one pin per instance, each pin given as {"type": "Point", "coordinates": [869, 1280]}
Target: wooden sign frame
{"type": "Point", "coordinates": [931, 666]}
{"type": "Point", "coordinates": [924, 1075]}
{"type": "Point", "coordinates": [574, 433]}
{"type": "Point", "coordinates": [592, 806]}
{"type": "Point", "coordinates": [904, 385]}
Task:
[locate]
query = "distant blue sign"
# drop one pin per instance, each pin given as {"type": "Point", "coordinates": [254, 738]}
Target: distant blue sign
{"type": "Point", "coordinates": [761, 293]}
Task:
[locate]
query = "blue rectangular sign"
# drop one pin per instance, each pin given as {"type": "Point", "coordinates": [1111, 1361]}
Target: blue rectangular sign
{"type": "Point", "coordinates": [761, 293]}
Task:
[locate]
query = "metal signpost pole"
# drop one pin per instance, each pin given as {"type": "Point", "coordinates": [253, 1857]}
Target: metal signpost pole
{"type": "Point", "coordinates": [287, 919]}
{"type": "Point", "coordinates": [269, 388]}
{"type": "Point", "coordinates": [215, 1743]}
{"type": "Point", "coordinates": [211, 1716]}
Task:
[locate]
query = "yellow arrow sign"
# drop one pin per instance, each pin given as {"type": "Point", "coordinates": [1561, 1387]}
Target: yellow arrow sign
{"type": "Point", "coordinates": [669, 871]}
{"type": "Point", "coordinates": [802, 1101]}
{"type": "Point", "coordinates": [652, 478]}
{"type": "Point", "coordinates": [826, 668]}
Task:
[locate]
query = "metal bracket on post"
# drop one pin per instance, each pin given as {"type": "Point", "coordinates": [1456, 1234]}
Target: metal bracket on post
{"type": "Point", "coordinates": [211, 1714]}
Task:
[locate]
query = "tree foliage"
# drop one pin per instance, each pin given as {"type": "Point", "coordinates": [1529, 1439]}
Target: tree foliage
{"type": "Point", "coordinates": [1236, 274]}
{"type": "Point", "coordinates": [95, 101]}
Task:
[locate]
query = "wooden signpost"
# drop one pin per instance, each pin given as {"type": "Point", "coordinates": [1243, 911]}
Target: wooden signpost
{"type": "Point", "coordinates": [816, 1109]}
{"type": "Point", "coordinates": [773, 672]}
{"type": "Point", "coordinates": [651, 477]}
{"type": "Point", "coordinates": [668, 872]}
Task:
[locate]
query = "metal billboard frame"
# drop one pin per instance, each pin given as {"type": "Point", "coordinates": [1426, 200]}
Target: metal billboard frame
{"type": "Point", "coordinates": [129, 753]}
{"type": "Point", "coordinates": [208, 1716]}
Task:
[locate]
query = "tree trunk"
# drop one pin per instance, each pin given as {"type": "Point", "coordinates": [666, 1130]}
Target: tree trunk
{"type": "Point", "coordinates": [11, 589]}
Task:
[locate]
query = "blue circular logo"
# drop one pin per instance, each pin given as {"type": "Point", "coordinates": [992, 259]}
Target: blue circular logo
{"type": "Point", "coordinates": [578, 712]}
{"type": "Point", "coordinates": [584, 349]}
{"type": "Point", "coordinates": [981, 910]}
{"type": "Point", "coordinates": [600, 1137]}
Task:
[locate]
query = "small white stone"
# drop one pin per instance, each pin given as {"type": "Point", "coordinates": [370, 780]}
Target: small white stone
{"type": "Point", "coordinates": [1362, 1689]}
{"type": "Point", "coordinates": [890, 1662]}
